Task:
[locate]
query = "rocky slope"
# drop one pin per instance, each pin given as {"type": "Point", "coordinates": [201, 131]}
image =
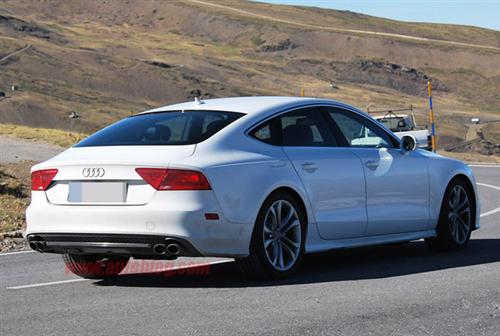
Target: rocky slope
{"type": "Point", "coordinates": [92, 62]}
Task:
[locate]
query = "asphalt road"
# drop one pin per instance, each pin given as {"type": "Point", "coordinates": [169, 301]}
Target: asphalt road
{"type": "Point", "coordinates": [389, 290]}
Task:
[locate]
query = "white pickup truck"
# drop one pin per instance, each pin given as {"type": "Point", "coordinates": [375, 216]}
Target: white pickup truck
{"type": "Point", "coordinates": [404, 124]}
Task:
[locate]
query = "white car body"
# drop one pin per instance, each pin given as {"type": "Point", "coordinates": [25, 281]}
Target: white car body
{"type": "Point", "coordinates": [352, 196]}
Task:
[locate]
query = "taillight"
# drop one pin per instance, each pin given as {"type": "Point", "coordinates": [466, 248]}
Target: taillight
{"type": "Point", "coordinates": [41, 179]}
{"type": "Point", "coordinates": [174, 179]}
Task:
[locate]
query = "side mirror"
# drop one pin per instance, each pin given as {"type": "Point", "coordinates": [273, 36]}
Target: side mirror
{"type": "Point", "coordinates": [408, 143]}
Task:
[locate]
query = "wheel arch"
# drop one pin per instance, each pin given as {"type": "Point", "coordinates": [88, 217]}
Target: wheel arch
{"type": "Point", "coordinates": [296, 195]}
{"type": "Point", "coordinates": [254, 264]}
{"type": "Point", "coordinates": [303, 206]}
{"type": "Point", "coordinates": [470, 188]}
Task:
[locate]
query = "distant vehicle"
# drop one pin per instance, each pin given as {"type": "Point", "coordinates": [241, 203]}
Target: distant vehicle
{"type": "Point", "coordinates": [263, 180]}
{"type": "Point", "coordinates": [405, 124]}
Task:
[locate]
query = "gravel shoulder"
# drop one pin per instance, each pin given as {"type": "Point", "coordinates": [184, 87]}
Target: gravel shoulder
{"type": "Point", "coordinates": [14, 150]}
{"type": "Point", "coordinates": [17, 156]}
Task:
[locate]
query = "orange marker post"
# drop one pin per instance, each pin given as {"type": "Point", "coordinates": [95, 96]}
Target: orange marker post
{"type": "Point", "coordinates": [431, 117]}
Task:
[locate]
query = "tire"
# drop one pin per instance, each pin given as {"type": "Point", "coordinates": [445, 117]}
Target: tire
{"type": "Point", "coordinates": [276, 250]}
{"type": "Point", "coordinates": [456, 218]}
{"type": "Point", "coordinates": [95, 266]}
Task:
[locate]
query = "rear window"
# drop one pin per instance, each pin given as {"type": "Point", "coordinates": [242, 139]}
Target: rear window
{"type": "Point", "coordinates": [398, 124]}
{"type": "Point", "coordinates": [162, 128]}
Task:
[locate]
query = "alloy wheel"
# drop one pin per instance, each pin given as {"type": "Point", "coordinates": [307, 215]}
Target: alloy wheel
{"type": "Point", "coordinates": [459, 215]}
{"type": "Point", "coordinates": [282, 235]}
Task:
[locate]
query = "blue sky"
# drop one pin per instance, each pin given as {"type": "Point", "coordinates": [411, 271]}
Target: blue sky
{"type": "Point", "coordinates": [481, 13]}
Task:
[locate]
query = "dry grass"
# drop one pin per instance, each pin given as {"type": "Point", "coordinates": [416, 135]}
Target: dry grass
{"type": "Point", "coordinates": [472, 157]}
{"type": "Point", "coordinates": [14, 195]}
{"type": "Point", "coordinates": [492, 132]}
{"type": "Point", "coordinates": [12, 213]}
{"type": "Point", "coordinates": [101, 74]}
{"type": "Point", "coordinates": [351, 20]}
{"type": "Point", "coordinates": [48, 135]}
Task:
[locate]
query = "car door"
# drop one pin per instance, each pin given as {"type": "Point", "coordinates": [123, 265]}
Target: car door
{"type": "Point", "coordinates": [332, 175]}
{"type": "Point", "coordinates": [397, 182]}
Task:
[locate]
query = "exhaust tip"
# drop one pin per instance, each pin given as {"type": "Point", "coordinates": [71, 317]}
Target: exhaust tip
{"type": "Point", "coordinates": [37, 245]}
{"type": "Point", "coordinates": [40, 245]}
{"type": "Point", "coordinates": [159, 249]}
{"type": "Point", "coordinates": [173, 249]}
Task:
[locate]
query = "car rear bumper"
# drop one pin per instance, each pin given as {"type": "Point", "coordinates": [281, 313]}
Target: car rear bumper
{"type": "Point", "coordinates": [137, 246]}
{"type": "Point", "coordinates": [179, 217]}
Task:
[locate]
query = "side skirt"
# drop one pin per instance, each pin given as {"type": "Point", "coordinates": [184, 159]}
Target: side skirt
{"type": "Point", "coordinates": [326, 245]}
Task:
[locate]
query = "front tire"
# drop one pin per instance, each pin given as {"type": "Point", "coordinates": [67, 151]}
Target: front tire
{"type": "Point", "coordinates": [95, 266]}
{"type": "Point", "coordinates": [278, 239]}
{"type": "Point", "coordinates": [456, 218]}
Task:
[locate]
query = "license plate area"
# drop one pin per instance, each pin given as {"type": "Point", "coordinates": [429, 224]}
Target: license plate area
{"type": "Point", "coordinates": [97, 192]}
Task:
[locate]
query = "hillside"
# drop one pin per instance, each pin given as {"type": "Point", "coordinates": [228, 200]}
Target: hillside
{"type": "Point", "coordinates": [103, 60]}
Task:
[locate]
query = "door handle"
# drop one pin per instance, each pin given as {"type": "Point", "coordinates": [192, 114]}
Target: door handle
{"type": "Point", "coordinates": [372, 164]}
{"type": "Point", "coordinates": [276, 164]}
{"type": "Point", "coordinates": [310, 167]}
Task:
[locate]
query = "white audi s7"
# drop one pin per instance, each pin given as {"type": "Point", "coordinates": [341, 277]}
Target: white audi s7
{"type": "Point", "coordinates": [263, 180]}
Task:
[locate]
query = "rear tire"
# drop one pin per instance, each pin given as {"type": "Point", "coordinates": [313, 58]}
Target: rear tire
{"type": "Point", "coordinates": [95, 266]}
{"type": "Point", "coordinates": [278, 239]}
{"type": "Point", "coordinates": [456, 218]}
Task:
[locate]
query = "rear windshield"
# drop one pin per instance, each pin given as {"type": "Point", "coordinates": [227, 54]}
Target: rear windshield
{"type": "Point", "coordinates": [162, 128]}
{"type": "Point", "coordinates": [396, 124]}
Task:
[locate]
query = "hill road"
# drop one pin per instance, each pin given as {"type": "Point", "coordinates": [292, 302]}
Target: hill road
{"type": "Point", "coordinates": [13, 150]}
{"type": "Point", "coordinates": [343, 30]}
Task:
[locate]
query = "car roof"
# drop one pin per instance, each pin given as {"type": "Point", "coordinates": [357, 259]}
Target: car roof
{"type": "Point", "coordinates": [247, 105]}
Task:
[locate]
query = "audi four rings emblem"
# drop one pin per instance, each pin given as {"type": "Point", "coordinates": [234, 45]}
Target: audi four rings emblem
{"type": "Point", "coordinates": [93, 172]}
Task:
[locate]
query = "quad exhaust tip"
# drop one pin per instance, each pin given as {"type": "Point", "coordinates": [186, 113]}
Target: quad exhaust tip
{"type": "Point", "coordinates": [37, 245]}
{"type": "Point", "coordinates": [41, 246]}
{"type": "Point", "coordinates": [160, 248]}
{"type": "Point", "coordinates": [173, 249]}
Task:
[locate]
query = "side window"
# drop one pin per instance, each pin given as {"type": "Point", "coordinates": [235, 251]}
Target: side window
{"type": "Point", "coordinates": [265, 134]}
{"type": "Point", "coordinates": [360, 132]}
{"type": "Point", "coordinates": [306, 128]}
